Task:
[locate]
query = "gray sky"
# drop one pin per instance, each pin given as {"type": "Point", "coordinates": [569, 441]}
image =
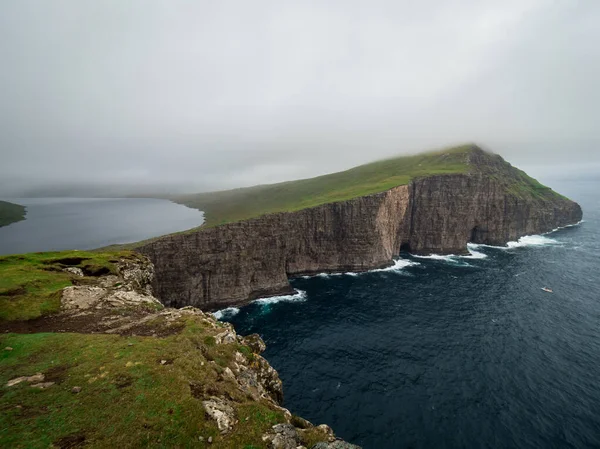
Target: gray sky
{"type": "Point", "coordinates": [217, 94]}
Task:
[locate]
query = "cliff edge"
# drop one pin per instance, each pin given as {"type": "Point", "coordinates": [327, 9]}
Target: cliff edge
{"type": "Point", "coordinates": [90, 358]}
{"type": "Point", "coordinates": [432, 203]}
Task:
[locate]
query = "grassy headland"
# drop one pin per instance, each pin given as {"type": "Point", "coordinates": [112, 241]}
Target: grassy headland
{"type": "Point", "coordinates": [241, 204]}
{"type": "Point", "coordinates": [140, 386]}
{"type": "Point", "coordinates": [11, 213]}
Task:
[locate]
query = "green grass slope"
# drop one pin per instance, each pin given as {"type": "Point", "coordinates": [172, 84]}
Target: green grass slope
{"type": "Point", "coordinates": [133, 390]}
{"type": "Point", "coordinates": [128, 398]}
{"type": "Point", "coordinates": [241, 204]}
{"type": "Point", "coordinates": [11, 213]}
{"type": "Point", "coordinates": [30, 284]}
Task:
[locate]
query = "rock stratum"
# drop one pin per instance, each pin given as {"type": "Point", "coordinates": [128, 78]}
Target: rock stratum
{"type": "Point", "coordinates": [490, 202]}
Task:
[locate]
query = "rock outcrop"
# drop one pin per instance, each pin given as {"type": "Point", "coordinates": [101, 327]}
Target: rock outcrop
{"type": "Point", "coordinates": [230, 264]}
{"type": "Point", "coordinates": [228, 376]}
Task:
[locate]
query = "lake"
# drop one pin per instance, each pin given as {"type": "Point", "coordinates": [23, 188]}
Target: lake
{"type": "Point", "coordinates": [54, 224]}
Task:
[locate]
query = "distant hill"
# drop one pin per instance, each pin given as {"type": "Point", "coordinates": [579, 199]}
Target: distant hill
{"type": "Point", "coordinates": [11, 213]}
{"type": "Point", "coordinates": [241, 204]}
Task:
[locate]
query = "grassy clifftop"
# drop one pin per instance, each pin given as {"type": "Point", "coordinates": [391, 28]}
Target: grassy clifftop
{"type": "Point", "coordinates": [89, 358]}
{"type": "Point", "coordinates": [11, 213]}
{"type": "Point", "coordinates": [242, 204]}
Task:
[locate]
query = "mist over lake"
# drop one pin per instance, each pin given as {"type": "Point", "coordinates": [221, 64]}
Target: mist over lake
{"type": "Point", "coordinates": [54, 224]}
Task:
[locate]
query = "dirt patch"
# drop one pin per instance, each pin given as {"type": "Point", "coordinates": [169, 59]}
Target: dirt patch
{"type": "Point", "coordinates": [96, 322]}
{"type": "Point", "coordinates": [154, 329]}
{"type": "Point", "coordinates": [70, 441]}
{"type": "Point", "coordinates": [56, 374]}
{"type": "Point", "coordinates": [202, 391]}
{"type": "Point", "coordinates": [24, 411]}
{"type": "Point", "coordinates": [70, 261]}
{"type": "Point", "coordinates": [14, 291]}
{"type": "Point", "coordinates": [123, 380]}
{"type": "Point", "coordinates": [95, 270]}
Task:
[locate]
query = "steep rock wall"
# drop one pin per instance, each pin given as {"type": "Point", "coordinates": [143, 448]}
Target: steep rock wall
{"type": "Point", "coordinates": [447, 212]}
{"type": "Point", "coordinates": [233, 263]}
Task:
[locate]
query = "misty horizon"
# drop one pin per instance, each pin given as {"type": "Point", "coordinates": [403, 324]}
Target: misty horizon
{"type": "Point", "coordinates": [146, 97]}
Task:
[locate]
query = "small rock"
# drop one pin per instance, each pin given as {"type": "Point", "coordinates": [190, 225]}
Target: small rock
{"type": "Point", "coordinates": [8, 348]}
{"type": "Point", "coordinates": [225, 337]}
{"type": "Point", "coordinates": [200, 438]}
{"type": "Point", "coordinates": [74, 270]}
{"type": "Point", "coordinates": [284, 436]}
{"type": "Point", "coordinates": [223, 413]}
{"type": "Point", "coordinates": [42, 385]}
{"type": "Point", "coordinates": [255, 342]}
{"type": "Point", "coordinates": [324, 428]}
{"type": "Point", "coordinates": [163, 362]}
{"type": "Point", "coordinates": [75, 390]}
{"type": "Point", "coordinates": [209, 440]}
{"type": "Point", "coordinates": [39, 377]}
{"type": "Point", "coordinates": [228, 374]}
{"type": "Point", "coordinates": [129, 344]}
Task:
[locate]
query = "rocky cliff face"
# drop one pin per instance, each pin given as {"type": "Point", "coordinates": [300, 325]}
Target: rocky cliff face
{"type": "Point", "coordinates": [237, 262]}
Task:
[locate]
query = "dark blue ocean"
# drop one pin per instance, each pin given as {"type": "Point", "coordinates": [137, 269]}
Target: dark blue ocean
{"type": "Point", "coordinates": [450, 352]}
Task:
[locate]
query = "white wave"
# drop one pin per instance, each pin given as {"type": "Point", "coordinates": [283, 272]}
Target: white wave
{"type": "Point", "coordinates": [446, 258]}
{"type": "Point", "coordinates": [226, 313]}
{"type": "Point", "coordinates": [399, 265]}
{"type": "Point", "coordinates": [299, 296]}
{"type": "Point", "coordinates": [455, 258]}
{"type": "Point", "coordinates": [565, 227]}
{"type": "Point", "coordinates": [533, 240]}
{"type": "Point", "coordinates": [474, 254]}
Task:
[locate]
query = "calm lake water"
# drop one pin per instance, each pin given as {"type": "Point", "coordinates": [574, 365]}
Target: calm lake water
{"type": "Point", "coordinates": [85, 223]}
{"type": "Point", "coordinates": [449, 352]}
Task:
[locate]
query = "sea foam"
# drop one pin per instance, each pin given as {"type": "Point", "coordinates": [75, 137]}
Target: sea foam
{"type": "Point", "coordinates": [533, 240]}
{"type": "Point", "coordinates": [299, 296]}
{"type": "Point", "coordinates": [399, 265]}
{"type": "Point", "coordinates": [456, 258]}
{"type": "Point", "coordinates": [226, 313]}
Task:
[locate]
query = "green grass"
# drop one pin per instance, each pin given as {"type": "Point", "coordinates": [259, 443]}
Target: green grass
{"type": "Point", "coordinates": [241, 204]}
{"type": "Point", "coordinates": [11, 213]}
{"type": "Point", "coordinates": [128, 398]}
{"type": "Point", "coordinates": [30, 284]}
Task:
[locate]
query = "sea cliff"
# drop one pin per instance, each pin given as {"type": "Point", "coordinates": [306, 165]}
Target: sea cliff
{"type": "Point", "coordinates": [491, 202]}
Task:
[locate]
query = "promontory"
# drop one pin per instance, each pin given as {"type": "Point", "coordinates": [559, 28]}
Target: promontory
{"type": "Point", "coordinates": [254, 239]}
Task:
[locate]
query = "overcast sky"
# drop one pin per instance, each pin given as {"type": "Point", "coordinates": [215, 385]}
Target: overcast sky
{"type": "Point", "coordinates": [216, 94]}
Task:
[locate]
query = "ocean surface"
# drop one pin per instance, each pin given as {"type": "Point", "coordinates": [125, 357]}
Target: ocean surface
{"type": "Point", "coordinates": [86, 223]}
{"type": "Point", "coordinates": [449, 352]}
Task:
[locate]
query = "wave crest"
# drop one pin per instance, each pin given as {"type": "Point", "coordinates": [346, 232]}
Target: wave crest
{"type": "Point", "coordinates": [229, 312]}
{"type": "Point", "coordinates": [299, 296]}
